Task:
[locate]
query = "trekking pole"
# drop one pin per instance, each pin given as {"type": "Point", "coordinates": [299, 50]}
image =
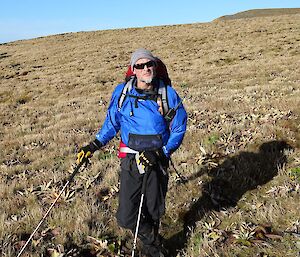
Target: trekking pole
{"type": "Point", "coordinates": [182, 178]}
{"type": "Point", "coordinates": [140, 210]}
{"type": "Point", "coordinates": [76, 169]}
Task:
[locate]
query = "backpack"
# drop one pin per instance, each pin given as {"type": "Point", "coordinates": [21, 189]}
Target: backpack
{"type": "Point", "coordinates": [163, 78]}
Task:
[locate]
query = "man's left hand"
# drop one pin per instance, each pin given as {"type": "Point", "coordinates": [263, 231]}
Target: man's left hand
{"type": "Point", "coordinates": [164, 160]}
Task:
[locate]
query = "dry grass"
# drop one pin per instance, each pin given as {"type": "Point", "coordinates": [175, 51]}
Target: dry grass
{"type": "Point", "coordinates": [240, 154]}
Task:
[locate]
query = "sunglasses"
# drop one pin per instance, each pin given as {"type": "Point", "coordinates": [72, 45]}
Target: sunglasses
{"type": "Point", "coordinates": [141, 66]}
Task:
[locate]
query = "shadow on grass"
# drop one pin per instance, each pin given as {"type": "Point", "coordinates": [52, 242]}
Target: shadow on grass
{"type": "Point", "coordinates": [229, 182]}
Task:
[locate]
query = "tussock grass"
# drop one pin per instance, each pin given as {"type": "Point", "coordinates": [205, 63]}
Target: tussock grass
{"type": "Point", "coordinates": [240, 155]}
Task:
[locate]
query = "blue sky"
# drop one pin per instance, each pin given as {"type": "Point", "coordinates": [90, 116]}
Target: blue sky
{"type": "Point", "coordinates": [24, 19]}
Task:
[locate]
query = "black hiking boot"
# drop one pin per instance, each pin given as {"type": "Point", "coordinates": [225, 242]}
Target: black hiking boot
{"type": "Point", "coordinates": [156, 249]}
{"type": "Point", "coordinates": [152, 251]}
{"type": "Point", "coordinates": [152, 242]}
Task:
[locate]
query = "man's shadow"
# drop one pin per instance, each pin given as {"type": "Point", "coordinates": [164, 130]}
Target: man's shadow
{"type": "Point", "coordinates": [228, 182]}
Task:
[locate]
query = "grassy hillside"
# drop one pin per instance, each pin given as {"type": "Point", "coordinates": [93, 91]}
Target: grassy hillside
{"type": "Point", "coordinates": [261, 13]}
{"type": "Point", "coordinates": [240, 155]}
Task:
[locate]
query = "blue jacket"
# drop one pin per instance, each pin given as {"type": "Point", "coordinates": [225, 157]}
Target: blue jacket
{"type": "Point", "coordinates": [141, 117]}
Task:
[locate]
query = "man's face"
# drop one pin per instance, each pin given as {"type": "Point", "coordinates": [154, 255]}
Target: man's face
{"type": "Point", "coordinates": [145, 70]}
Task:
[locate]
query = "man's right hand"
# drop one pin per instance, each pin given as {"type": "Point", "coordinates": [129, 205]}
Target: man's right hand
{"type": "Point", "coordinates": [84, 153]}
{"type": "Point", "coordinates": [87, 151]}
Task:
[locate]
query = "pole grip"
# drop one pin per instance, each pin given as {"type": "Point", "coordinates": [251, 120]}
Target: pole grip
{"type": "Point", "coordinates": [76, 169]}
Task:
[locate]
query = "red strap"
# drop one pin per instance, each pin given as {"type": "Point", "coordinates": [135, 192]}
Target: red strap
{"type": "Point", "coordinates": [120, 154]}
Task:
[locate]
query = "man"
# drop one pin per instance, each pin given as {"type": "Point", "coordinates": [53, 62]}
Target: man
{"type": "Point", "coordinates": [147, 141]}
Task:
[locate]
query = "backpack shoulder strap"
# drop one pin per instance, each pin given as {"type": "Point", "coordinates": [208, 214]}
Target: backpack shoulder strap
{"type": "Point", "coordinates": [162, 91]}
{"type": "Point", "coordinates": [128, 86]}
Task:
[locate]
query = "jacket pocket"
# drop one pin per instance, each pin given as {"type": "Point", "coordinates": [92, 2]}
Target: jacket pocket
{"type": "Point", "coordinates": [145, 142]}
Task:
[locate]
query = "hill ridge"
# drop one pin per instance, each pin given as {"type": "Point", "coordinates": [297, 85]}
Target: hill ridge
{"type": "Point", "coordinates": [255, 13]}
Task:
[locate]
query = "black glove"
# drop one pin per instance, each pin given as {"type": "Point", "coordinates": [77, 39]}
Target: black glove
{"type": "Point", "coordinates": [88, 150]}
{"type": "Point", "coordinates": [164, 160]}
{"type": "Point", "coordinates": [148, 158]}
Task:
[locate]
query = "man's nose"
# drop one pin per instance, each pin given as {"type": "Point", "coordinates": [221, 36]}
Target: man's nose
{"type": "Point", "coordinates": [146, 67]}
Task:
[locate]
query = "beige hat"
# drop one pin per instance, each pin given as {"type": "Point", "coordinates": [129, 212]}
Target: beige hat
{"type": "Point", "coordinates": [140, 54]}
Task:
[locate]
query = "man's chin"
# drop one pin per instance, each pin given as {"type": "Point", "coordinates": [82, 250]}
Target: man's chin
{"type": "Point", "coordinates": [147, 80]}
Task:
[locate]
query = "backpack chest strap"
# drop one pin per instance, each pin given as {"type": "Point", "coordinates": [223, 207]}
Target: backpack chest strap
{"type": "Point", "coordinates": [162, 92]}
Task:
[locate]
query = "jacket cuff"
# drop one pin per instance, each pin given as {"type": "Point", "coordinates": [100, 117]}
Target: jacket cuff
{"type": "Point", "coordinates": [95, 145]}
{"type": "Point", "coordinates": [166, 152]}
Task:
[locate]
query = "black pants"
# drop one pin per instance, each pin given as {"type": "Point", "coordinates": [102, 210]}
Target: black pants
{"type": "Point", "coordinates": [130, 197]}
